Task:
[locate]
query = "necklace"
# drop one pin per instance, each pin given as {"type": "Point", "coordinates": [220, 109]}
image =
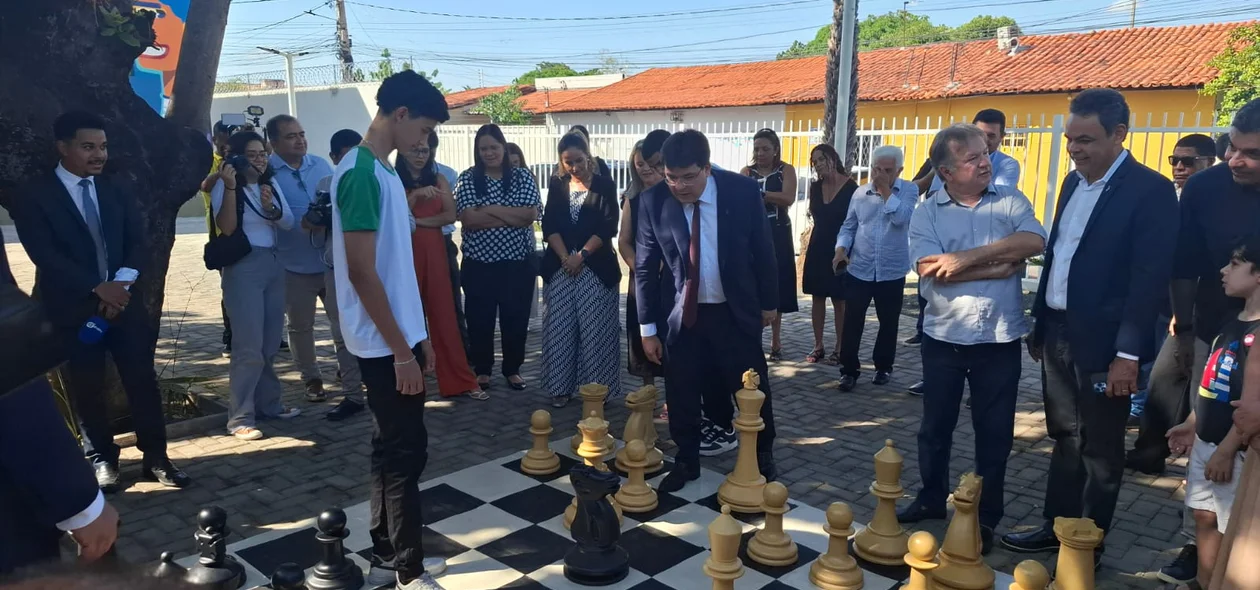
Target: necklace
{"type": "Point", "coordinates": [372, 148]}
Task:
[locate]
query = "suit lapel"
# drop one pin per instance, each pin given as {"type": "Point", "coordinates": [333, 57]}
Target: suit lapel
{"type": "Point", "coordinates": [66, 202]}
{"type": "Point", "coordinates": [1108, 192]}
{"type": "Point", "coordinates": [723, 217]}
{"type": "Point", "coordinates": [672, 217]}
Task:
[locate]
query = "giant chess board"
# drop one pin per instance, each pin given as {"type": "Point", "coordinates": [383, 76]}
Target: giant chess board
{"type": "Point", "coordinates": [500, 528]}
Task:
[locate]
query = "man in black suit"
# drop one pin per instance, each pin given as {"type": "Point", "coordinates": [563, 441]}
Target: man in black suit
{"type": "Point", "coordinates": [46, 488]}
{"type": "Point", "coordinates": [710, 228]}
{"type": "Point", "coordinates": [85, 239]}
{"type": "Point", "coordinates": [1106, 276]}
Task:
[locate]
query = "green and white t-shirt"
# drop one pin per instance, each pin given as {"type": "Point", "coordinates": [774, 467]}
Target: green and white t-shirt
{"type": "Point", "coordinates": [367, 196]}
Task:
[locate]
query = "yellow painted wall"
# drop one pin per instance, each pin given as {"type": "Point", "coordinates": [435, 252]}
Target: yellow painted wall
{"type": "Point", "coordinates": [1182, 111]}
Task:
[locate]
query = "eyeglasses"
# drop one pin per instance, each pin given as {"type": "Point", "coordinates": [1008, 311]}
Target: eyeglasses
{"type": "Point", "coordinates": [687, 180]}
{"type": "Point", "coordinates": [1187, 161]}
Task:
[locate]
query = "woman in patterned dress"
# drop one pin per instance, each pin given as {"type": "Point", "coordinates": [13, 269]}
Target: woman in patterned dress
{"type": "Point", "coordinates": [497, 205]}
{"type": "Point", "coordinates": [778, 187]}
{"type": "Point", "coordinates": [580, 328]}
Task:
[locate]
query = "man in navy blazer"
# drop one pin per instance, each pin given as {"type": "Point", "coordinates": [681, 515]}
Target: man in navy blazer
{"type": "Point", "coordinates": [1106, 276]}
{"type": "Point", "coordinates": [46, 488]}
{"type": "Point", "coordinates": [710, 228]}
{"type": "Point", "coordinates": [85, 239]}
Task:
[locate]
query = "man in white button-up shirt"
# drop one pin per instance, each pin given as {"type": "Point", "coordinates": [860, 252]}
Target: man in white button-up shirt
{"type": "Point", "coordinates": [1106, 277]}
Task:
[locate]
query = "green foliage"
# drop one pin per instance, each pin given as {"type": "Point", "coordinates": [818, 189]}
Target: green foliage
{"type": "Point", "coordinates": [901, 28]}
{"type": "Point", "coordinates": [503, 109]}
{"type": "Point", "coordinates": [1238, 73]}
{"type": "Point", "coordinates": [123, 26]}
{"type": "Point", "coordinates": [385, 69]}
{"type": "Point", "coordinates": [548, 69]}
{"type": "Point", "coordinates": [231, 85]}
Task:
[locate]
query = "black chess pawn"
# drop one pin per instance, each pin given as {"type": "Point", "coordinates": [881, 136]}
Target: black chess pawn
{"type": "Point", "coordinates": [288, 576]}
{"type": "Point", "coordinates": [334, 571]}
{"type": "Point", "coordinates": [215, 569]}
{"type": "Point", "coordinates": [167, 569]}
{"type": "Point", "coordinates": [596, 559]}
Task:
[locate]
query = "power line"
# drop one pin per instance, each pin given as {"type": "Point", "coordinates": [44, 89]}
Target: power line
{"type": "Point", "coordinates": [590, 18]}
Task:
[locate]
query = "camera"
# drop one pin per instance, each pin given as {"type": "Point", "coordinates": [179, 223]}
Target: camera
{"type": "Point", "coordinates": [320, 212]}
{"type": "Point", "coordinates": [239, 163]}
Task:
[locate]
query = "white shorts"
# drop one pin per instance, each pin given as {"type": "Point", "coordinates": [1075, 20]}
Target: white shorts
{"type": "Point", "coordinates": [1210, 496]}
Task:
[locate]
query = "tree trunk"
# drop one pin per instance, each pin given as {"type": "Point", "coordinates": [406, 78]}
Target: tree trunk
{"type": "Point", "coordinates": [850, 153]}
{"type": "Point", "coordinates": [198, 63]}
{"type": "Point", "coordinates": [833, 74]}
{"type": "Point", "coordinates": [59, 60]}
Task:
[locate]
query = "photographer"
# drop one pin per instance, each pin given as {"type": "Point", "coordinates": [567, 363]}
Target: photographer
{"type": "Point", "coordinates": [245, 199]}
{"type": "Point", "coordinates": [301, 249]}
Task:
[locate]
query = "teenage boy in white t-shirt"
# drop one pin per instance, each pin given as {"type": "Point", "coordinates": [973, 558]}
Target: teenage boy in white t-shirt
{"type": "Point", "coordinates": [382, 321]}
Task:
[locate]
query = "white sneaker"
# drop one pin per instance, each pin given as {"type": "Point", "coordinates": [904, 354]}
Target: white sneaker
{"type": "Point", "coordinates": [289, 413]}
{"type": "Point", "coordinates": [434, 566]}
{"type": "Point", "coordinates": [247, 433]}
{"type": "Point", "coordinates": [381, 575]}
{"type": "Point", "coordinates": [424, 582]}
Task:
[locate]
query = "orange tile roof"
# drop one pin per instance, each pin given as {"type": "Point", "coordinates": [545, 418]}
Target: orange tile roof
{"type": "Point", "coordinates": [1145, 57]}
{"type": "Point", "coordinates": [464, 98]}
{"type": "Point", "coordinates": [542, 101]}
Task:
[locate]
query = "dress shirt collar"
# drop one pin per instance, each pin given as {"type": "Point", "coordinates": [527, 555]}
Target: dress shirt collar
{"type": "Point", "coordinates": [278, 162]}
{"type": "Point", "coordinates": [71, 179]}
{"type": "Point", "coordinates": [942, 196]}
{"type": "Point", "coordinates": [1110, 171]}
{"type": "Point", "coordinates": [709, 194]}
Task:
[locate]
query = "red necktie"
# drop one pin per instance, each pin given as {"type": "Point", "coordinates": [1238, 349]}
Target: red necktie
{"type": "Point", "coordinates": [691, 290]}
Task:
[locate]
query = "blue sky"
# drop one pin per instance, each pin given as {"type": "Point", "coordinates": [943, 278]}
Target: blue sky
{"type": "Point", "coordinates": [468, 48]}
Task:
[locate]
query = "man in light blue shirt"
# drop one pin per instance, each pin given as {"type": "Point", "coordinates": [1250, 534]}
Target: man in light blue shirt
{"type": "Point", "coordinates": [872, 246]}
{"type": "Point", "coordinates": [452, 251]}
{"type": "Point", "coordinates": [1005, 168]}
{"type": "Point", "coordinates": [301, 249]}
{"type": "Point", "coordinates": [969, 242]}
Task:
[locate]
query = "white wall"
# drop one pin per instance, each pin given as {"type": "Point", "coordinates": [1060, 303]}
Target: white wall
{"type": "Point", "coordinates": [752, 117]}
{"type": "Point", "coordinates": [322, 111]}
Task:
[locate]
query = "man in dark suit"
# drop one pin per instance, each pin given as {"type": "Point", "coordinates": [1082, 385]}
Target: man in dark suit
{"type": "Point", "coordinates": [46, 488]}
{"type": "Point", "coordinates": [85, 239]}
{"type": "Point", "coordinates": [710, 228]}
{"type": "Point", "coordinates": [1105, 278]}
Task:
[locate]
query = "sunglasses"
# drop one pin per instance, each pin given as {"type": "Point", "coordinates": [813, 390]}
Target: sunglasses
{"type": "Point", "coordinates": [1187, 161]}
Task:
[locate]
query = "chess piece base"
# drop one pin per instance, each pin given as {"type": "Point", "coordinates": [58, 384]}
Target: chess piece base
{"type": "Point", "coordinates": [596, 567]}
{"type": "Point", "coordinates": [744, 498]}
{"type": "Point", "coordinates": [879, 549]}
{"type": "Point", "coordinates": [827, 574]}
{"type": "Point", "coordinates": [645, 501]}
{"type": "Point", "coordinates": [545, 465]}
{"type": "Point", "coordinates": [951, 576]}
{"type": "Point", "coordinates": [348, 577]}
{"type": "Point", "coordinates": [229, 576]}
{"type": "Point", "coordinates": [772, 553]}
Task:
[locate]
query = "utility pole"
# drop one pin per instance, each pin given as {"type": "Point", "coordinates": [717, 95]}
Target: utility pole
{"type": "Point", "coordinates": [844, 83]}
{"type": "Point", "coordinates": [290, 83]}
{"type": "Point", "coordinates": [343, 44]}
{"type": "Point", "coordinates": [1133, 14]}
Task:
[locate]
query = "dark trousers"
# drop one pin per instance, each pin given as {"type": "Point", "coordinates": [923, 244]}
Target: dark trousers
{"type": "Point", "coordinates": [1088, 432]}
{"type": "Point", "coordinates": [704, 368]}
{"type": "Point", "coordinates": [452, 263]}
{"type": "Point", "coordinates": [918, 324]}
{"type": "Point", "coordinates": [130, 342]}
{"type": "Point", "coordinates": [400, 446]}
{"type": "Point", "coordinates": [499, 290]}
{"type": "Point", "coordinates": [1167, 404]}
{"type": "Point", "coordinates": [991, 371]}
{"type": "Point", "coordinates": [858, 295]}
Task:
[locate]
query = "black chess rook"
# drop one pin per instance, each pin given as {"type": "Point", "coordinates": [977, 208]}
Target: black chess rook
{"type": "Point", "coordinates": [596, 559]}
{"type": "Point", "coordinates": [334, 571]}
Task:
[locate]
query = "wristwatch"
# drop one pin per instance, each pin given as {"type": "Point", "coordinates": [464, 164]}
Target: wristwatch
{"type": "Point", "coordinates": [584, 253]}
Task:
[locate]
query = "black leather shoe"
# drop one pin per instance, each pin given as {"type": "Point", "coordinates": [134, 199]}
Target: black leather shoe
{"type": "Point", "coordinates": [1144, 463]}
{"type": "Point", "coordinates": [106, 477]}
{"type": "Point", "coordinates": [345, 409]}
{"type": "Point", "coordinates": [1039, 540]}
{"type": "Point", "coordinates": [916, 389]}
{"type": "Point", "coordinates": [765, 463]}
{"type": "Point", "coordinates": [679, 476]}
{"type": "Point", "coordinates": [986, 540]}
{"type": "Point", "coordinates": [882, 377]}
{"type": "Point", "coordinates": [847, 382]}
{"type": "Point", "coordinates": [165, 473]}
{"type": "Point", "coordinates": [918, 511]}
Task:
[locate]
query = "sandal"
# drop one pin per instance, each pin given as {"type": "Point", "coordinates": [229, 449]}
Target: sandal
{"type": "Point", "coordinates": [776, 354]}
{"type": "Point", "coordinates": [815, 356]}
{"type": "Point", "coordinates": [834, 359]}
{"type": "Point", "coordinates": [478, 394]}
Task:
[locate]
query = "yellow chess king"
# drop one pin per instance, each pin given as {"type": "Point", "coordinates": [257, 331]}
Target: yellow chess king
{"type": "Point", "coordinates": [961, 567]}
{"type": "Point", "coordinates": [641, 403]}
{"type": "Point", "coordinates": [884, 540]}
{"type": "Point", "coordinates": [540, 460]}
{"type": "Point", "coordinates": [592, 450]}
{"type": "Point", "coordinates": [742, 490]}
{"type": "Point", "coordinates": [1077, 539]}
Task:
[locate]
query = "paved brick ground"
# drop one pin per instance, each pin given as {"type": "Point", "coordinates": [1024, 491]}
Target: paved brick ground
{"type": "Point", "coordinates": [826, 440]}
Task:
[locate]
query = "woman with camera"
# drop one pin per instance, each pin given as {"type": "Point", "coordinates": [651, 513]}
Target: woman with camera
{"type": "Point", "coordinates": [433, 206]}
{"type": "Point", "coordinates": [245, 200]}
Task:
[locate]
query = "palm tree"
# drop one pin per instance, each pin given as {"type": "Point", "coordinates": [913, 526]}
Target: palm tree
{"type": "Point", "coordinates": [849, 151]}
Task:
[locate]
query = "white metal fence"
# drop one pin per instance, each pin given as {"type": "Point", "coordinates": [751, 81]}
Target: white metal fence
{"type": "Point", "coordinates": [1035, 142]}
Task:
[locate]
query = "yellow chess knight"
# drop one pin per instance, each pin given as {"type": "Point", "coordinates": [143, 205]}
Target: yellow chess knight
{"type": "Point", "coordinates": [960, 565]}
